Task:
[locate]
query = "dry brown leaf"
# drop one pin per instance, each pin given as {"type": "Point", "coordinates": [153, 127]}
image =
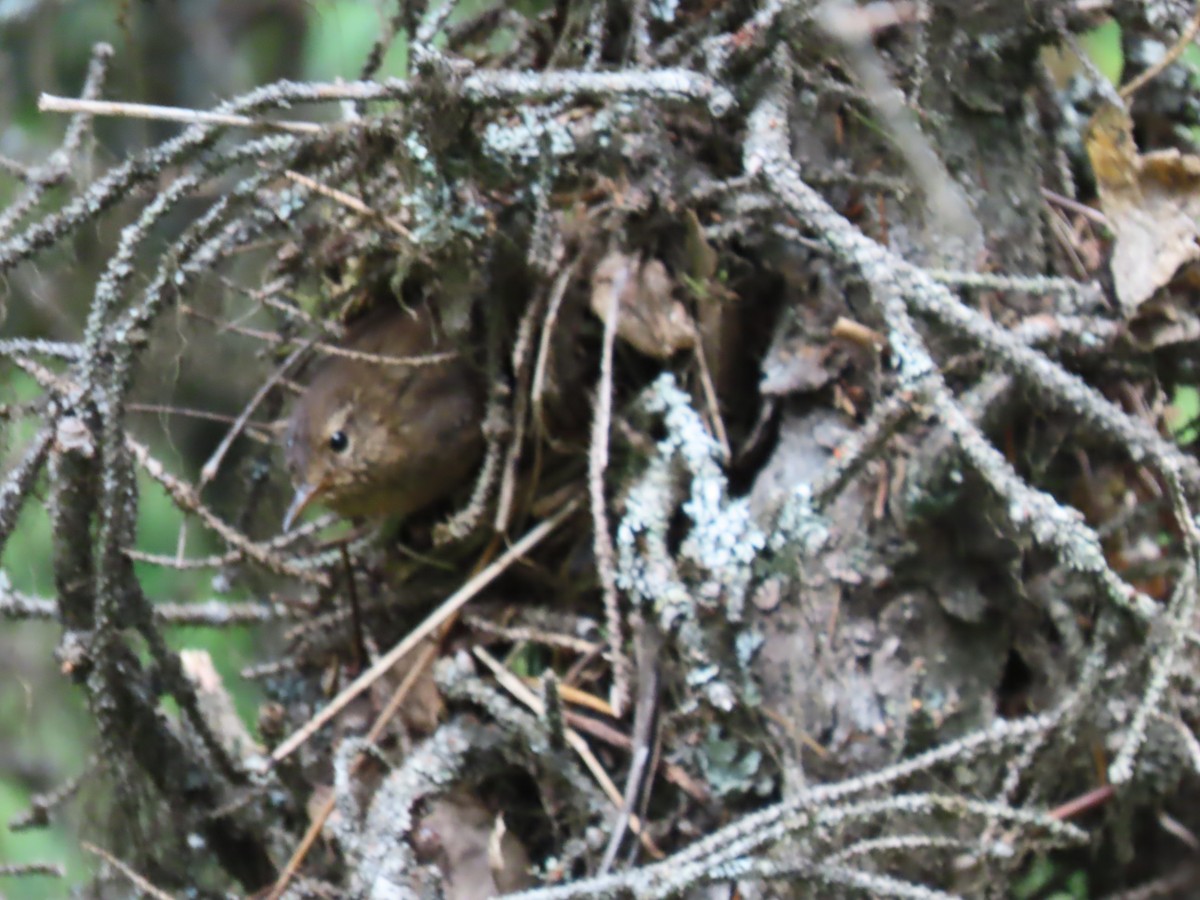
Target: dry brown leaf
{"type": "Point", "coordinates": [650, 319]}
{"type": "Point", "coordinates": [1152, 202]}
{"type": "Point", "coordinates": [423, 708]}
{"type": "Point", "coordinates": [1164, 321]}
{"type": "Point", "coordinates": [477, 855]}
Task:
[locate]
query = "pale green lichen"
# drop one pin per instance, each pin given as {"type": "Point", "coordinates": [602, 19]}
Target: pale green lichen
{"type": "Point", "coordinates": [713, 567]}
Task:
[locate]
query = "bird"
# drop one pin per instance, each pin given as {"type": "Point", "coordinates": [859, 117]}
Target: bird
{"type": "Point", "coordinates": [376, 439]}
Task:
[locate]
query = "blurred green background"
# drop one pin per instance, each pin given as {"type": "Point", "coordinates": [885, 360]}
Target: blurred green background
{"type": "Point", "coordinates": [182, 54]}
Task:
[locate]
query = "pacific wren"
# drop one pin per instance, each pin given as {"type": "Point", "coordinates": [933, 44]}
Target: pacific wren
{"type": "Point", "coordinates": [372, 439]}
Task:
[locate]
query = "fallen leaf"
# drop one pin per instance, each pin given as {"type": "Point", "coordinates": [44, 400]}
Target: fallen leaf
{"type": "Point", "coordinates": [478, 856]}
{"type": "Point", "coordinates": [1163, 322]}
{"type": "Point", "coordinates": [649, 318]}
{"type": "Point", "coordinates": [1152, 202]}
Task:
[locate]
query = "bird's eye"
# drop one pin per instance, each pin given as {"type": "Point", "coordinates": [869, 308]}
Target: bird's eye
{"type": "Point", "coordinates": [338, 442]}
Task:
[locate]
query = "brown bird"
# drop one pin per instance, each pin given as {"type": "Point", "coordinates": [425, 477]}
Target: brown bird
{"type": "Point", "coordinates": [372, 439]}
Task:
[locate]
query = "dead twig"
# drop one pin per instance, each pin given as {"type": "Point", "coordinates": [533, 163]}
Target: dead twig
{"type": "Point", "coordinates": [433, 622]}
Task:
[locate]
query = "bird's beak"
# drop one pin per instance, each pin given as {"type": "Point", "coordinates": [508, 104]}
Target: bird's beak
{"type": "Point", "coordinates": [305, 494]}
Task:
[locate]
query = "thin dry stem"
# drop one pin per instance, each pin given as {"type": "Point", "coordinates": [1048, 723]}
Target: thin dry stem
{"type": "Point", "coordinates": [51, 103]}
{"type": "Point", "coordinates": [432, 623]}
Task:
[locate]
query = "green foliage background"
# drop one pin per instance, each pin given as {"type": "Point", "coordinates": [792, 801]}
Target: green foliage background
{"type": "Point", "coordinates": [45, 737]}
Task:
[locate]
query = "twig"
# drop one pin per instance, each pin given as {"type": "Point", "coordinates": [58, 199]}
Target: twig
{"type": "Point", "coordinates": [40, 805]}
{"type": "Point", "coordinates": [279, 542]}
{"type": "Point", "coordinates": [57, 167]}
{"type": "Point", "coordinates": [209, 470]}
{"type": "Point", "coordinates": [495, 426]}
{"type": "Point", "coordinates": [649, 643]}
{"type": "Point", "coordinates": [578, 744]}
{"type": "Point", "coordinates": [1177, 49]}
{"type": "Point", "coordinates": [420, 665]}
{"type": "Point", "coordinates": [433, 621]}
{"type": "Point", "coordinates": [22, 870]}
{"type": "Point", "coordinates": [186, 498]}
{"type": "Point", "coordinates": [602, 544]}
{"type": "Point", "coordinates": [1035, 511]}
{"type": "Point", "coordinates": [138, 880]}
{"type": "Point", "coordinates": [520, 409]}
{"type": "Point", "coordinates": [349, 201]}
{"type": "Point", "coordinates": [51, 103]}
{"type": "Point", "coordinates": [712, 401]}
{"type": "Point", "coordinates": [258, 431]}
{"type": "Point", "coordinates": [210, 613]}
{"type": "Point", "coordinates": [38, 347]}
{"type": "Point", "coordinates": [381, 359]}
{"type": "Point", "coordinates": [1092, 215]}
{"type": "Point", "coordinates": [1088, 801]}
{"type": "Point", "coordinates": [738, 840]}
{"type": "Point", "coordinates": [519, 633]}
{"type": "Point", "coordinates": [19, 482]}
{"type": "Point", "coordinates": [538, 387]}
